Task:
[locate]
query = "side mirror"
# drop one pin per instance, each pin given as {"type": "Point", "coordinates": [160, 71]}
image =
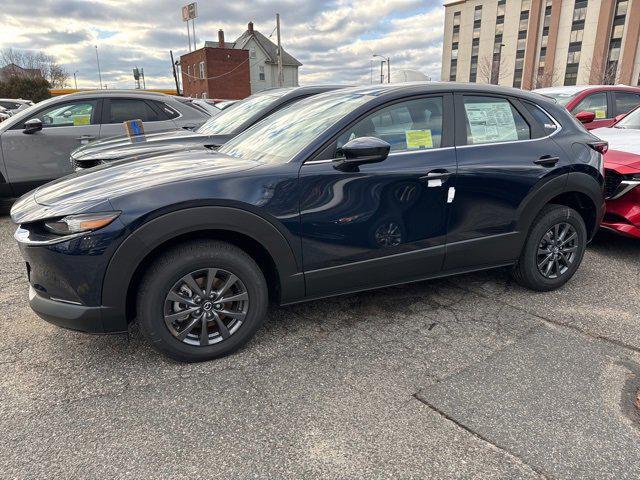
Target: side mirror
{"type": "Point", "coordinates": [32, 126]}
{"type": "Point", "coordinates": [585, 117]}
{"type": "Point", "coordinates": [360, 151]}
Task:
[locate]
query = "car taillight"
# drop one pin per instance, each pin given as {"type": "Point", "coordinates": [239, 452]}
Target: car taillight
{"type": "Point", "coordinates": [600, 147]}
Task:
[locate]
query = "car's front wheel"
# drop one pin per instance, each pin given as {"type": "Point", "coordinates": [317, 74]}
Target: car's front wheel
{"type": "Point", "coordinates": [201, 300]}
{"type": "Point", "coordinates": [554, 249]}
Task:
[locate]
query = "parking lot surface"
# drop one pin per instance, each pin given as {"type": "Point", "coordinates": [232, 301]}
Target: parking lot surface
{"type": "Point", "coordinates": [466, 377]}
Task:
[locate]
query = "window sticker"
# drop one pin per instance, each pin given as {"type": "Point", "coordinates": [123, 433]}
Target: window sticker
{"type": "Point", "coordinates": [418, 139]}
{"type": "Point", "coordinates": [491, 122]}
{"type": "Point", "coordinates": [79, 120]}
{"type": "Point", "coordinates": [600, 113]}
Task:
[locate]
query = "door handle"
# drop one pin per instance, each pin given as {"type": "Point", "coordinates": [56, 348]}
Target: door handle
{"type": "Point", "coordinates": [435, 178]}
{"type": "Point", "coordinates": [86, 137]}
{"type": "Point", "coordinates": [547, 161]}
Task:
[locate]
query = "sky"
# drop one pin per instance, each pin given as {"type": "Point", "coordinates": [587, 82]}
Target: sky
{"type": "Point", "coordinates": [334, 40]}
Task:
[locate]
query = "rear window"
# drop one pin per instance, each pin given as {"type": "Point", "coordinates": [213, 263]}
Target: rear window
{"type": "Point", "coordinates": [563, 98]}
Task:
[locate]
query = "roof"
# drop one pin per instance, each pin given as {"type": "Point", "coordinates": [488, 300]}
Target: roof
{"type": "Point", "coordinates": [108, 92]}
{"type": "Point", "coordinates": [574, 89]}
{"type": "Point", "coordinates": [270, 48]}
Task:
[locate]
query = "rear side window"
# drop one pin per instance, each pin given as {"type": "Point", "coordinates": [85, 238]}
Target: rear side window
{"type": "Point", "coordinates": [124, 109]}
{"type": "Point", "coordinates": [596, 103]}
{"type": "Point", "coordinates": [167, 111]}
{"type": "Point", "coordinates": [545, 121]}
{"type": "Point", "coordinates": [625, 102]}
{"type": "Point", "coordinates": [411, 125]}
{"type": "Point", "coordinates": [493, 120]}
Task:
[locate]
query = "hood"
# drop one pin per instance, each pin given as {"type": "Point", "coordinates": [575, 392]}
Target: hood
{"type": "Point", "coordinates": [122, 146]}
{"type": "Point", "coordinates": [624, 148]}
{"type": "Point", "coordinates": [110, 181]}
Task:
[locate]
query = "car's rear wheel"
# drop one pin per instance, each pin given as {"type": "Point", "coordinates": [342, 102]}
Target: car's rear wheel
{"type": "Point", "coordinates": [201, 300]}
{"type": "Point", "coordinates": [554, 249]}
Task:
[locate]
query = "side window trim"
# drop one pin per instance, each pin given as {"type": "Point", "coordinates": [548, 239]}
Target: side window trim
{"type": "Point", "coordinates": [461, 125]}
{"type": "Point", "coordinates": [96, 114]}
{"type": "Point", "coordinates": [327, 151]}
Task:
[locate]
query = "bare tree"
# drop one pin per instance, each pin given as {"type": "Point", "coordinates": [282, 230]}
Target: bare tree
{"type": "Point", "coordinates": [36, 64]}
{"type": "Point", "coordinates": [549, 78]}
{"type": "Point", "coordinates": [490, 70]}
{"type": "Point", "coordinates": [607, 71]}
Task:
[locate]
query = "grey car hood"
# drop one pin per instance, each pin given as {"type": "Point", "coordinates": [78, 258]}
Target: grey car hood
{"type": "Point", "coordinates": [122, 178]}
{"type": "Point", "coordinates": [115, 148]}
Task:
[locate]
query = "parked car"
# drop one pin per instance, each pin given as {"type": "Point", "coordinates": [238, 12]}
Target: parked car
{"type": "Point", "coordinates": [622, 175]}
{"type": "Point", "coordinates": [345, 191]}
{"type": "Point", "coordinates": [36, 142]}
{"type": "Point", "coordinates": [595, 106]}
{"type": "Point", "coordinates": [15, 105]}
{"type": "Point", "coordinates": [4, 114]}
{"type": "Point", "coordinates": [212, 106]}
{"type": "Point", "coordinates": [215, 132]}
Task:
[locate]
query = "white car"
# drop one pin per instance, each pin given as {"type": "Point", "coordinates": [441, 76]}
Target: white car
{"type": "Point", "coordinates": [212, 107]}
{"type": "Point", "coordinates": [14, 105]}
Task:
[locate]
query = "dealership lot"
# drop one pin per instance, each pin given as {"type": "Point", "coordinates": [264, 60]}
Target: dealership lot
{"type": "Point", "coordinates": [471, 376]}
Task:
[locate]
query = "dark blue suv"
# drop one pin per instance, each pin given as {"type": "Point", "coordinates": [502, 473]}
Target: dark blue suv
{"type": "Point", "coordinates": [346, 191]}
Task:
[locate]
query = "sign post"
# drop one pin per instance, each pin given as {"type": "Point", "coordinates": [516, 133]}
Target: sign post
{"type": "Point", "coordinates": [190, 12]}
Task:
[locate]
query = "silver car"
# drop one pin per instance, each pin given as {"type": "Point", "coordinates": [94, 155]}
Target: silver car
{"type": "Point", "coordinates": [15, 105]}
{"type": "Point", "coordinates": [35, 143]}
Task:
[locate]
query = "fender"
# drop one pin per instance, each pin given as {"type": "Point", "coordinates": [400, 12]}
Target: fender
{"type": "Point", "coordinates": [150, 235]}
{"type": "Point", "coordinates": [571, 182]}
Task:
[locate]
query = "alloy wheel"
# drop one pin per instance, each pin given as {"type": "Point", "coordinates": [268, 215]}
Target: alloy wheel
{"type": "Point", "coordinates": [206, 306]}
{"type": "Point", "coordinates": [557, 250]}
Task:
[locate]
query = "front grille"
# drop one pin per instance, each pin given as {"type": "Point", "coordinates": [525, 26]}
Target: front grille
{"type": "Point", "coordinates": [612, 181]}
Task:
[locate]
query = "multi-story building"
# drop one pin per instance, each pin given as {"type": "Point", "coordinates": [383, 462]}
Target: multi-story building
{"type": "Point", "coordinates": [541, 43]}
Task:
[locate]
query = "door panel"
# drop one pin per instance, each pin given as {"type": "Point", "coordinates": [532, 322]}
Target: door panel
{"type": "Point", "coordinates": [494, 178]}
{"type": "Point", "coordinates": [354, 224]}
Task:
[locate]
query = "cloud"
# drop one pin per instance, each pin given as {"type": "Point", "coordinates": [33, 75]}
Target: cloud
{"type": "Point", "coordinates": [335, 40]}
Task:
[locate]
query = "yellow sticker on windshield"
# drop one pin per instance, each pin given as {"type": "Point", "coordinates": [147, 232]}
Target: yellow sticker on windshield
{"type": "Point", "coordinates": [79, 120]}
{"type": "Point", "coordinates": [601, 114]}
{"type": "Point", "coordinates": [419, 139]}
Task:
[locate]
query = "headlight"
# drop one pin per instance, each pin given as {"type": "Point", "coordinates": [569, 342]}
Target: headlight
{"type": "Point", "coordinates": [81, 223]}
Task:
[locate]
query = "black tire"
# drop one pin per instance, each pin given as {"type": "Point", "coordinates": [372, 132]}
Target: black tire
{"type": "Point", "coordinates": [526, 271]}
{"type": "Point", "coordinates": [174, 264]}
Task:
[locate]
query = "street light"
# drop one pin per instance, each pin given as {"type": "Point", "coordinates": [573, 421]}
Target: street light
{"type": "Point", "coordinates": [75, 80]}
{"type": "Point", "coordinates": [98, 62]}
{"type": "Point", "coordinates": [388, 60]}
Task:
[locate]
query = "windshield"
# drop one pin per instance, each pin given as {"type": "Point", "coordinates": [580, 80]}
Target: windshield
{"type": "Point", "coordinates": [233, 117]}
{"type": "Point", "coordinates": [632, 120]}
{"type": "Point", "coordinates": [284, 134]}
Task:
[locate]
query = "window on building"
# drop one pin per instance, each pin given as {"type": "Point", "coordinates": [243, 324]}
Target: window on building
{"type": "Point", "coordinates": [580, 10]}
{"type": "Point", "coordinates": [456, 19]}
{"type": "Point", "coordinates": [188, 73]}
{"type": "Point", "coordinates": [204, 95]}
{"type": "Point", "coordinates": [261, 74]}
{"type": "Point", "coordinates": [501, 9]}
{"type": "Point", "coordinates": [202, 70]}
{"type": "Point", "coordinates": [491, 120]}
{"type": "Point", "coordinates": [621, 8]}
{"type": "Point", "coordinates": [453, 71]}
{"type": "Point", "coordinates": [477, 13]}
{"type": "Point", "coordinates": [252, 53]}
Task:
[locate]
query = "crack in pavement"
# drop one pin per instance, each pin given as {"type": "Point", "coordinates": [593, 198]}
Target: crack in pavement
{"type": "Point", "coordinates": [481, 437]}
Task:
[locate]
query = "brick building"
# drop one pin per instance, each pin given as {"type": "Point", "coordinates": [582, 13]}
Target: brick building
{"type": "Point", "coordinates": [216, 71]}
{"type": "Point", "coordinates": [240, 68]}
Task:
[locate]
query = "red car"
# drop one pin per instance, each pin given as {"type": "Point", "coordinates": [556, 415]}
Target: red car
{"type": "Point", "coordinates": [595, 106]}
{"type": "Point", "coordinates": [622, 175]}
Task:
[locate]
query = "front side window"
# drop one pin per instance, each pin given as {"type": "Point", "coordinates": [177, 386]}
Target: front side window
{"type": "Point", "coordinates": [596, 103]}
{"type": "Point", "coordinates": [75, 114]}
{"type": "Point", "coordinates": [124, 109]}
{"type": "Point", "coordinates": [411, 125]}
{"type": "Point", "coordinates": [493, 120]}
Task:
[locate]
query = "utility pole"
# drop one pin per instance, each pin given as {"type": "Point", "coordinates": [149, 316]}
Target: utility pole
{"type": "Point", "coordinates": [382, 71]}
{"type": "Point", "coordinates": [388, 60]}
{"type": "Point", "coordinates": [175, 74]}
{"type": "Point", "coordinates": [193, 25]}
{"type": "Point", "coordinates": [75, 80]}
{"type": "Point", "coordinates": [280, 71]}
{"type": "Point", "coordinates": [189, 36]}
{"type": "Point", "coordinates": [98, 62]}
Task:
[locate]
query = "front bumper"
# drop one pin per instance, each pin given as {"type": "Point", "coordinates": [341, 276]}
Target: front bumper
{"type": "Point", "coordinates": [69, 315]}
{"type": "Point", "coordinates": [623, 214]}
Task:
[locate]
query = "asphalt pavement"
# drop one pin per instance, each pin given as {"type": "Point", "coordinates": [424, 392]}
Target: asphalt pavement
{"type": "Point", "coordinates": [466, 377]}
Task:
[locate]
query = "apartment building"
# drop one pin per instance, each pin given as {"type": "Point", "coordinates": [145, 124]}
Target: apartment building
{"type": "Point", "coordinates": [540, 43]}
